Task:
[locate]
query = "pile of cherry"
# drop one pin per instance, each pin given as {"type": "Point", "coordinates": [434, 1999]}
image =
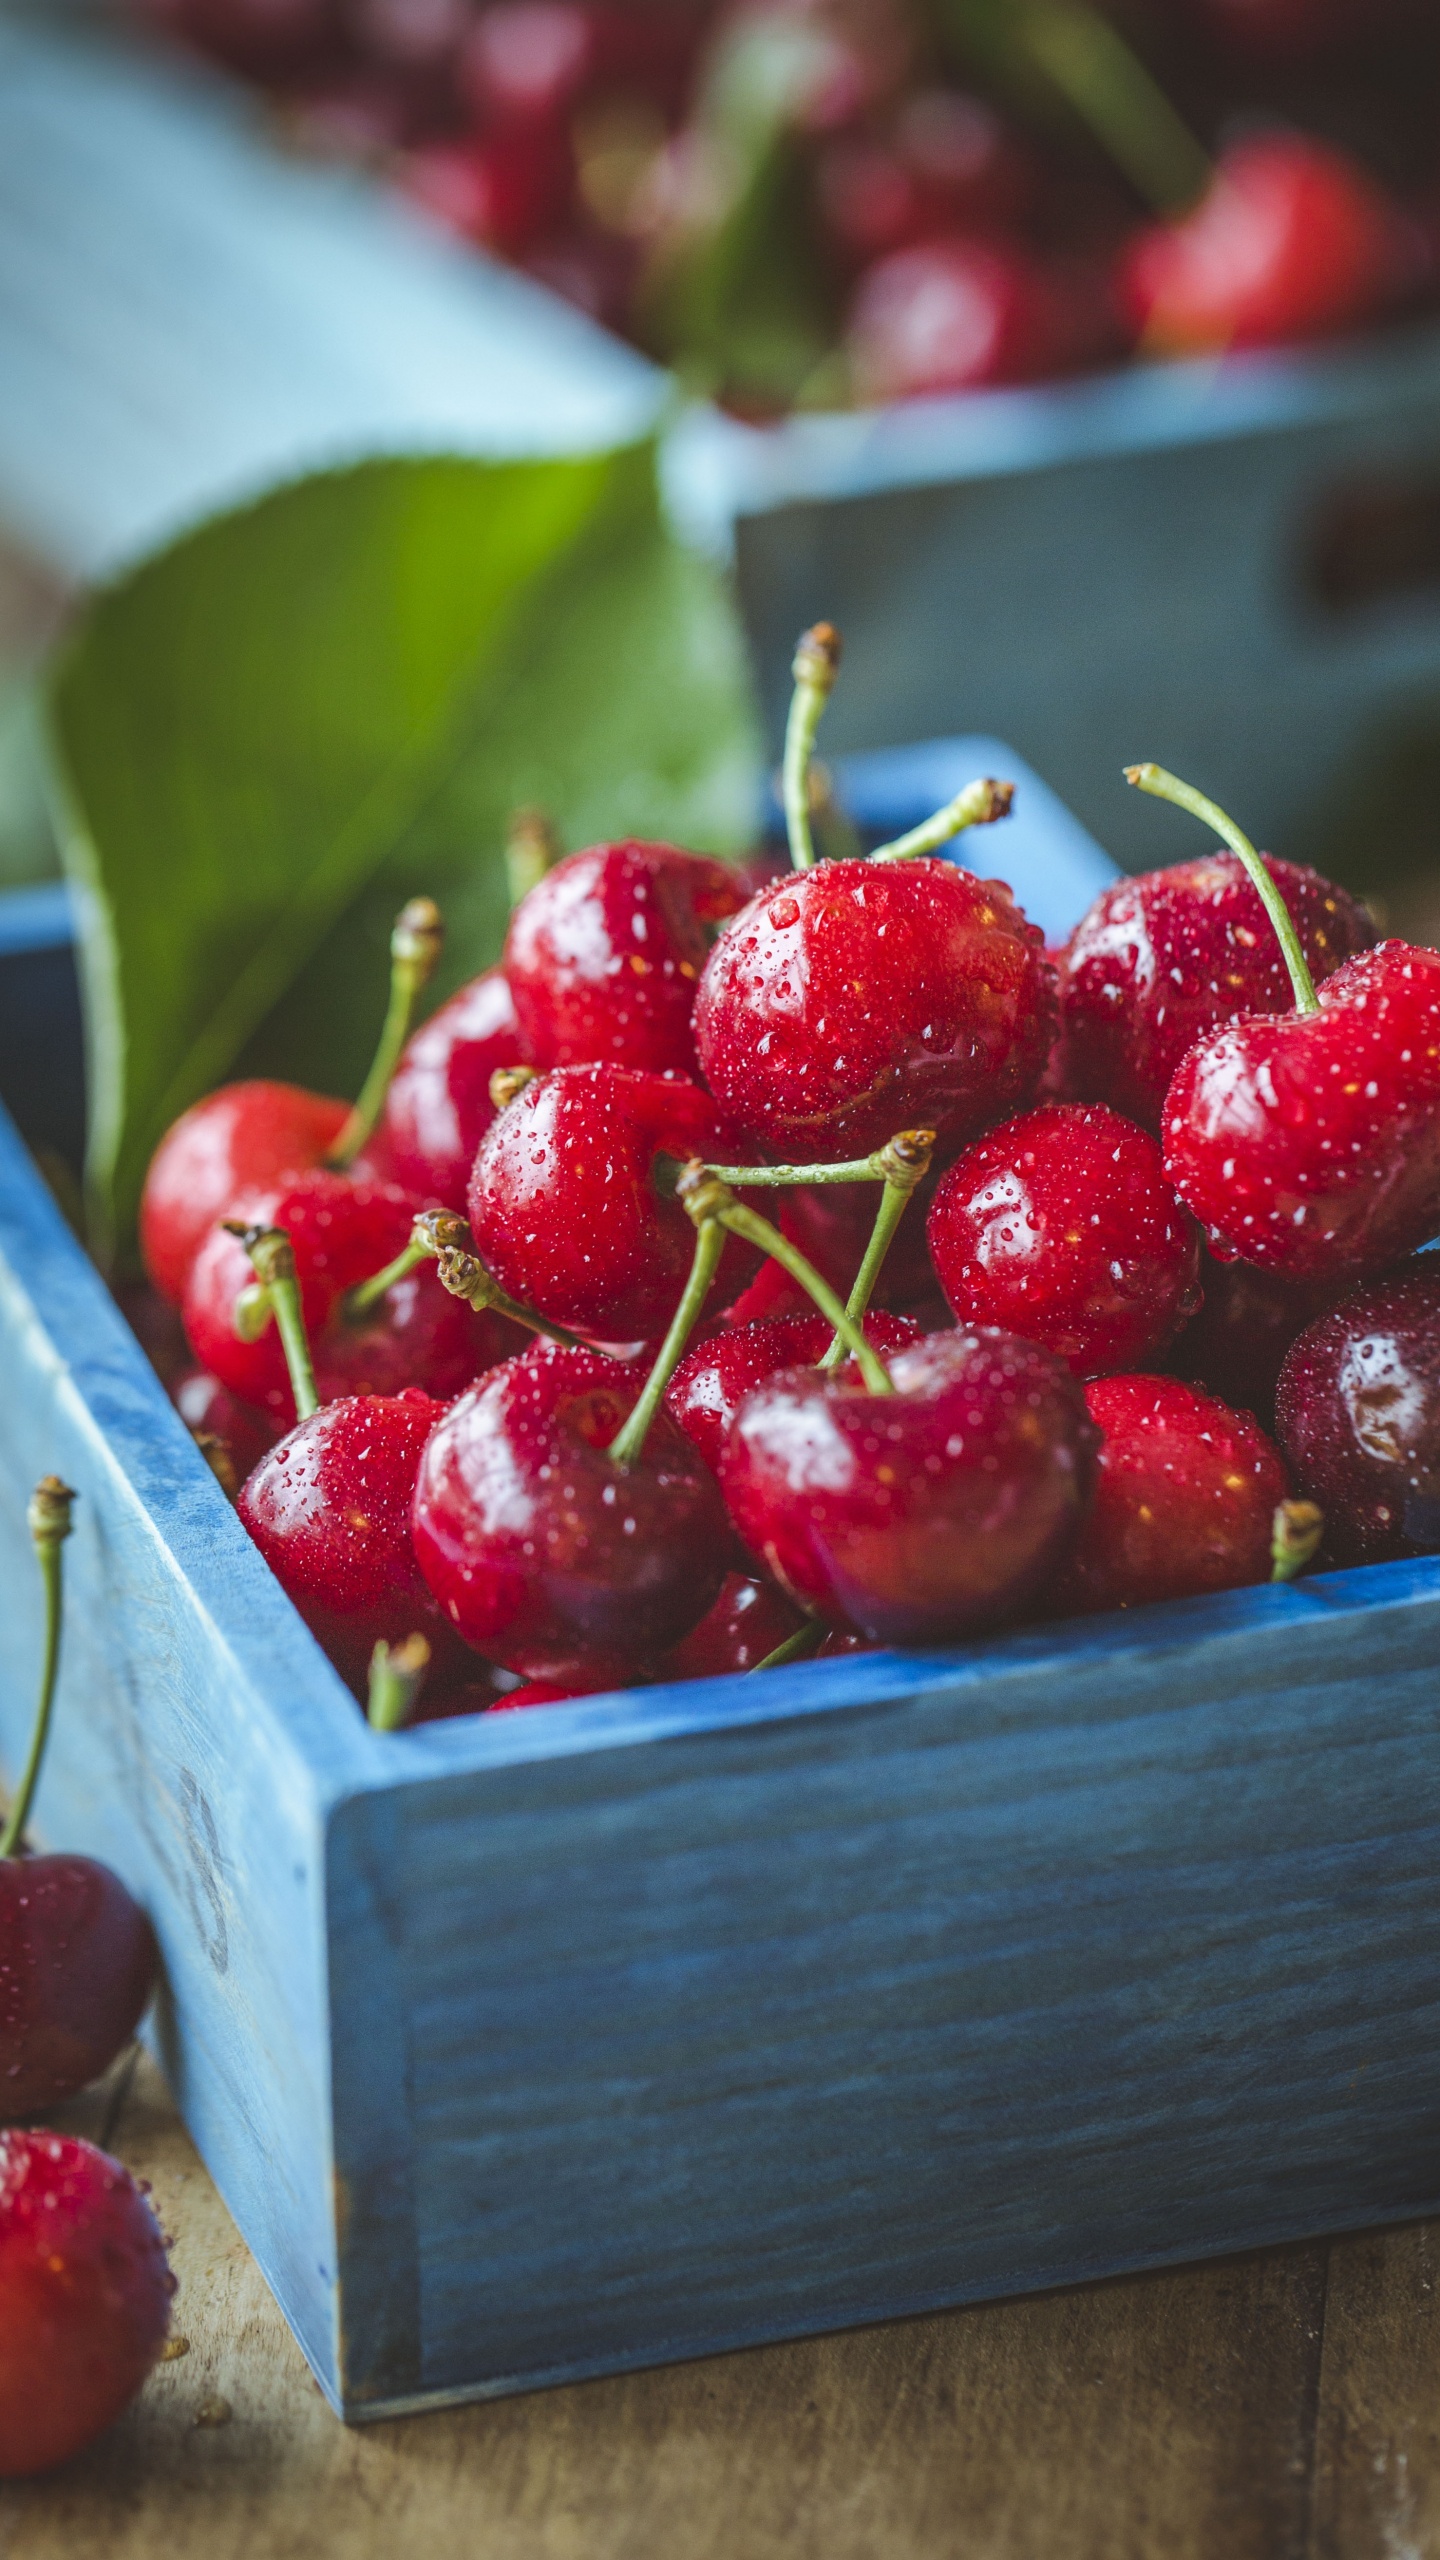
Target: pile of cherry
{"type": "Point", "coordinates": [526, 1396]}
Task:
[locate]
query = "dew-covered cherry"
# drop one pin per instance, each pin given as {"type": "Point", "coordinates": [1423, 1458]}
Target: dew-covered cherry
{"type": "Point", "coordinates": [1061, 1226]}
{"type": "Point", "coordinates": [1358, 1415]}
{"type": "Point", "coordinates": [247, 1139]}
{"type": "Point", "coordinates": [438, 1107]}
{"type": "Point", "coordinates": [1185, 1499]}
{"type": "Point", "coordinates": [604, 955]}
{"type": "Point", "coordinates": [567, 1209]}
{"type": "Point", "coordinates": [1160, 961]}
{"type": "Point", "coordinates": [713, 1379]}
{"type": "Point", "coordinates": [859, 996]}
{"type": "Point", "coordinates": [85, 2294]}
{"type": "Point", "coordinates": [749, 1617]}
{"type": "Point", "coordinates": [932, 1512]}
{"type": "Point", "coordinates": [539, 1546]}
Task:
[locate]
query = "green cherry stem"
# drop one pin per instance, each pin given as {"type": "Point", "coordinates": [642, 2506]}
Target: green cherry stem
{"type": "Point", "coordinates": [531, 849]}
{"type": "Point", "coordinates": [1111, 91]}
{"type": "Point", "coordinates": [415, 947]}
{"type": "Point", "coordinates": [397, 1673]}
{"type": "Point", "coordinates": [905, 1163]}
{"type": "Point", "coordinates": [1298, 1530]}
{"type": "Point", "coordinates": [49, 1523]}
{"type": "Point", "coordinates": [1183, 795]}
{"type": "Point", "coordinates": [978, 805]}
{"type": "Point", "coordinates": [440, 1237]}
{"type": "Point", "coordinates": [275, 1298]}
{"type": "Point", "coordinates": [817, 661]}
{"type": "Point", "coordinates": [629, 1440]}
{"type": "Point", "coordinates": [704, 1195]}
{"type": "Point", "coordinates": [796, 1648]}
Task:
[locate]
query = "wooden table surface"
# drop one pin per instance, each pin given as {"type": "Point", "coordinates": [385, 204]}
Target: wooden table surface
{"type": "Point", "coordinates": [1284, 2406]}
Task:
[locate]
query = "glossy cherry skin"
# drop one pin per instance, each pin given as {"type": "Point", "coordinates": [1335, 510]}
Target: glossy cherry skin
{"type": "Point", "coordinates": [1292, 240]}
{"type": "Point", "coordinates": [1184, 1503]}
{"type": "Point", "coordinates": [245, 1138]}
{"type": "Point", "coordinates": [77, 1966]}
{"type": "Point", "coordinates": [1061, 1226]}
{"type": "Point", "coordinates": [716, 1375]}
{"type": "Point", "coordinates": [1358, 1414]}
{"type": "Point", "coordinates": [1160, 960]}
{"type": "Point", "coordinates": [917, 1517]}
{"type": "Point", "coordinates": [539, 1549]}
{"type": "Point", "coordinates": [203, 1404]}
{"type": "Point", "coordinates": [1310, 1143]}
{"type": "Point", "coordinates": [565, 1209]}
{"type": "Point", "coordinates": [343, 1229]}
{"type": "Point", "coordinates": [438, 1107]}
{"type": "Point", "coordinates": [860, 998]}
{"type": "Point", "coordinates": [1237, 1342]}
{"type": "Point", "coordinates": [604, 955]}
{"type": "Point", "coordinates": [329, 1509]}
{"type": "Point", "coordinates": [748, 1619]}
{"type": "Point", "coordinates": [85, 2293]}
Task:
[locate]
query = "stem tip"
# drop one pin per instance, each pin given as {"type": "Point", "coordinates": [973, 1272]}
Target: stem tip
{"type": "Point", "coordinates": [48, 1516]}
{"type": "Point", "coordinates": [508, 1083]}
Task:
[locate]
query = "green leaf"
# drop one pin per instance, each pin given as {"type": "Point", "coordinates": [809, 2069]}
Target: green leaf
{"type": "Point", "coordinates": [268, 736]}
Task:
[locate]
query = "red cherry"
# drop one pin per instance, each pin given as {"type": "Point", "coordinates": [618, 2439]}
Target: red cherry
{"type": "Point", "coordinates": [921, 1516]}
{"type": "Point", "coordinates": [564, 1205]}
{"type": "Point", "coordinates": [748, 1619]}
{"type": "Point", "coordinates": [1235, 1345]}
{"type": "Point", "coordinates": [527, 60]}
{"type": "Point", "coordinates": [1291, 240]}
{"type": "Point", "coordinates": [551, 1693]}
{"type": "Point", "coordinates": [85, 2292]}
{"type": "Point", "coordinates": [1062, 1227]}
{"type": "Point", "coordinates": [77, 1966]}
{"type": "Point", "coordinates": [502, 191]}
{"type": "Point", "coordinates": [1358, 1413]}
{"type": "Point", "coordinates": [713, 1380]}
{"type": "Point", "coordinates": [604, 955]}
{"type": "Point", "coordinates": [329, 1509]}
{"type": "Point", "coordinates": [539, 1547]}
{"type": "Point", "coordinates": [343, 1229]}
{"type": "Point", "coordinates": [243, 1430]}
{"type": "Point", "coordinates": [1309, 1143]}
{"type": "Point", "coordinates": [1160, 960]}
{"type": "Point", "coordinates": [267, 39]}
{"type": "Point", "coordinates": [860, 997]}
{"type": "Point", "coordinates": [1184, 1503]}
{"type": "Point", "coordinates": [438, 1107]}
{"type": "Point", "coordinates": [949, 315]}
{"type": "Point", "coordinates": [245, 1138]}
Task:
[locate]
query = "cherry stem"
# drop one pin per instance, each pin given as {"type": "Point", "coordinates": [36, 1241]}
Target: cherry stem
{"type": "Point", "coordinates": [531, 849]}
{"type": "Point", "coordinates": [906, 1161]}
{"type": "Point", "coordinates": [276, 1296]}
{"type": "Point", "coordinates": [1183, 795]}
{"type": "Point", "coordinates": [786, 1176]}
{"type": "Point", "coordinates": [978, 805]}
{"type": "Point", "coordinates": [440, 1237]}
{"type": "Point", "coordinates": [508, 1083]}
{"type": "Point", "coordinates": [704, 1195]}
{"type": "Point", "coordinates": [629, 1440]}
{"type": "Point", "coordinates": [795, 1648]}
{"type": "Point", "coordinates": [1125, 108]}
{"type": "Point", "coordinates": [48, 1519]}
{"type": "Point", "coordinates": [1298, 1530]}
{"type": "Point", "coordinates": [817, 661]}
{"type": "Point", "coordinates": [397, 1673]}
{"type": "Point", "coordinates": [415, 947]}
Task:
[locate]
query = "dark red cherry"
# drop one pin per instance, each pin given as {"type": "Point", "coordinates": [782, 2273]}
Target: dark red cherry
{"type": "Point", "coordinates": [244, 1431]}
{"type": "Point", "coordinates": [538, 1547]}
{"type": "Point", "coordinates": [1184, 1502]}
{"type": "Point", "coordinates": [921, 1516]}
{"type": "Point", "coordinates": [501, 191]}
{"type": "Point", "coordinates": [1160, 960]}
{"type": "Point", "coordinates": [77, 1966]}
{"type": "Point", "coordinates": [1358, 1414]}
{"type": "Point", "coordinates": [748, 1619]}
{"type": "Point", "coordinates": [552, 1693]}
{"type": "Point", "coordinates": [344, 1229]}
{"type": "Point", "coordinates": [1291, 240]}
{"type": "Point", "coordinates": [861, 997]}
{"type": "Point", "coordinates": [85, 2293]}
{"type": "Point", "coordinates": [951, 314]}
{"type": "Point", "coordinates": [245, 1138]}
{"type": "Point", "coordinates": [1062, 1227]}
{"type": "Point", "coordinates": [1309, 1143]}
{"type": "Point", "coordinates": [565, 1207]}
{"type": "Point", "coordinates": [604, 955]}
{"type": "Point", "coordinates": [1235, 1345]}
{"type": "Point", "coordinates": [438, 1107]}
{"type": "Point", "coordinates": [714, 1378]}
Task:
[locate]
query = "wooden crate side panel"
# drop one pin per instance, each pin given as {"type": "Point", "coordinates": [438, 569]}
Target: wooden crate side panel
{"type": "Point", "coordinates": [1007, 1984]}
{"type": "Point", "coordinates": [164, 1759]}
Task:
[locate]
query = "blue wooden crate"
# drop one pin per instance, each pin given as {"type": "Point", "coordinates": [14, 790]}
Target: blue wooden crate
{"type": "Point", "coordinates": [531, 2047]}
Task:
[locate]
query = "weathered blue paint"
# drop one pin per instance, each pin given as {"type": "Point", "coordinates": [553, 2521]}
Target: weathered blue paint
{"type": "Point", "coordinates": [537, 2046]}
